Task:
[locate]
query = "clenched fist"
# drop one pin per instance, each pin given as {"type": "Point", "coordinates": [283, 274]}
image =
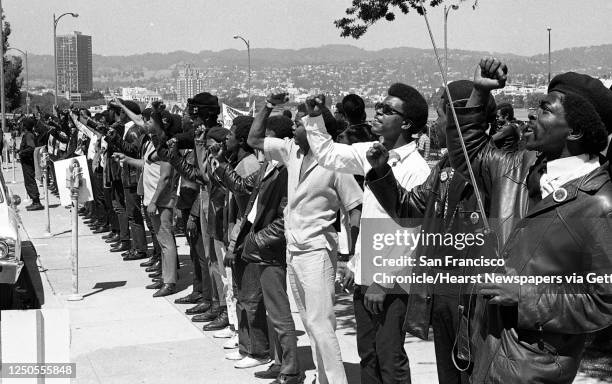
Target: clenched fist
{"type": "Point", "coordinates": [490, 74]}
{"type": "Point", "coordinates": [377, 156]}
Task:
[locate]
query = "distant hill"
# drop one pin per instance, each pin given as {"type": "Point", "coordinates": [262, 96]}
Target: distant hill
{"type": "Point", "coordinates": [596, 60]}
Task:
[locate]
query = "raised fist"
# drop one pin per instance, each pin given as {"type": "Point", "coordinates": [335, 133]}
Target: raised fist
{"type": "Point", "coordinates": [278, 98]}
{"type": "Point", "coordinates": [377, 156]}
{"type": "Point", "coordinates": [490, 74]}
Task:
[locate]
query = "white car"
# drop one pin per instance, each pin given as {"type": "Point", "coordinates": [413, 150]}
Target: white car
{"type": "Point", "coordinates": [20, 282]}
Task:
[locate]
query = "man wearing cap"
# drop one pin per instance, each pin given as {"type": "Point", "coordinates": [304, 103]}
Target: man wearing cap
{"type": "Point", "coordinates": [26, 154]}
{"type": "Point", "coordinates": [447, 204]}
{"type": "Point", "coordinates": [551, 206]}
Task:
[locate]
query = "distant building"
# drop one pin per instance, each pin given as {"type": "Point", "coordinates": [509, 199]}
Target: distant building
{"type": "Point", "coordinates": [74, 64]}
{"type": "Point", "coordinates": [189, 83]}
{"type": "Point", "coordinates": [143, 95]}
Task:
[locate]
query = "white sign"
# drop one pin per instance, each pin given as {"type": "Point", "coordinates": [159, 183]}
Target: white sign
{"type": "Point", "coordinates": [62, 168]}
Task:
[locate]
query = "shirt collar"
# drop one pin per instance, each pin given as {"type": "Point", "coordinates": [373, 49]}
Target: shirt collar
{"type": "Point", "coordinates": [398, 155]}
{"type": "Point", "coordinates": [572, 167]}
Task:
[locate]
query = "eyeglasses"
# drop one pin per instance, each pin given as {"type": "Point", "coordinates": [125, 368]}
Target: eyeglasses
{"type": "Point", "coordinates": [387, 109]}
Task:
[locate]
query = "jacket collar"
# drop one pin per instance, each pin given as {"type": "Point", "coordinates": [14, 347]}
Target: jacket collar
{"type": "Point", "coordinates": [590, 182]}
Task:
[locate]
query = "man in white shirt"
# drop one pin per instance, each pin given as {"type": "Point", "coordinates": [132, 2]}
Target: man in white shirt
{"type": "Point", "coordinates": [378, 312]}
{"type": "Point", "coordinates": [314, 196]}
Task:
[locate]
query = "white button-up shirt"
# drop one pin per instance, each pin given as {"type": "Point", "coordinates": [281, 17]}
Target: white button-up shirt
{"type": "Point", "coordinates": [408, 166]}
{"type": "Point", "coordinates": [561, 171]}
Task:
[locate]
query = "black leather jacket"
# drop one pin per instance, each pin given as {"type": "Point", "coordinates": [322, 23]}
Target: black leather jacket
{"type": "Point", "coordinates": [130, 146]}
{"type": "Point", "coordinates": [446, 203]}
{"type": "Point", "coordinates": [262, 241]}
{"type": "Point", "coordinates": [541, 339]}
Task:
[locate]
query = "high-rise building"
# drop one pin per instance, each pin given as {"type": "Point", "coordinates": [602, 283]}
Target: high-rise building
{"type": "Point", "coordinates": [189, 83]}
{"type": "Point", "coordinates": [74, 63]}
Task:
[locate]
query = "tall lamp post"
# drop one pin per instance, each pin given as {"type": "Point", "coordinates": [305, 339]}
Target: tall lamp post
{"type": "Point", "coordinates": [55, 21]}
{"type": "Point", "coordinates": [248, 45]}
{"type": "Point", "coordinates": [549, 65]}
{"type": "Point", "coordinates": [27, 77]}
{"type": "Point", "coordinates": [446, 11]}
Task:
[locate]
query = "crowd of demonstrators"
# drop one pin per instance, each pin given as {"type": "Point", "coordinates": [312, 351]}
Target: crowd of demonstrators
{"type": "Point", "coordinates": [272, 200]}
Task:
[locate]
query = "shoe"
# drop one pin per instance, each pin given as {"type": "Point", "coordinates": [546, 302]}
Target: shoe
{"type": "Point", "coordinates": [109, 236]}
{"type": "Point", "coordinates": [156, 285]}
{"type": "Point", "coordinates": [115, 244]}
{"type": "Point", "coordinates": [225, 333]}
{"type": "Point", "coordinates": [89, 221]}
{"type": "Point", "coordinates": [165, 290]}
{"type": "Point", "coordinates": [135, 256]}
{"type": "Point", "coordinates": [198, 309]}
{"type": "Point", "coordinates": [250, 362]}
{"type": "Point", "coordinates": [232, 343]}
{"type": "Point", "coordinates": [207, 316]}
{"type": "Point", "coordinates": [235, 355]}
{"type": "Point", "coordinates": [271, 373]}
{"type": "Point", "coordinates": [124, 254]}
{"type": "Point", "coordinates": [219, 323]}
{"type": "Point", "coordinates": [121, 248]}
{"type": "Point", "coordinates": [35, 207]}
{"type": "Point", "coordinates": [192, 298]}
{"type": "Point", "coordinates": [101, 229]}
{"type": "Point", "coordinates": [155, 274]}
{"type": "Point", "coordinates": [113, 239]}
{"type": "Point", "coordinates": [290, 379]}
{"type": "Point", "coordinates": [154, 268]}
{"type": "Point", "coordinates": [149, 262]}
{"type": "Point", "coordinates": [82, 211]}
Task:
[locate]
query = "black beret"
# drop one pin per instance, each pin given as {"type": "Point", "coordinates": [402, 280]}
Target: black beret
{"type": "Point", "coordinates": [590, 89]}
{"type": "Point", "coordinates": [217, 133]}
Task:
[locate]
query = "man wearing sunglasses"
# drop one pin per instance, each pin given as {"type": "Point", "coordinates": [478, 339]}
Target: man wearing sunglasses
{"type": "Point", "coordinates": [379, 311]}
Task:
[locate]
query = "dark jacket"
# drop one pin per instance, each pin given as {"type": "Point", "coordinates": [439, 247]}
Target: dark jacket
{"type": "Point", "coordinates": [541, 339]}
{"type": "Point", "coordinates": [112, 173]}
{"type": "Point", "coordinates": [263, 241]}
{"type": "Point", "coordinates": [130, 146]}
{"type": "Point", "coordinates": [446, 204]}
{"type": "Point", "coordinates": [216, 218]}
{"type": "Point", "coordinates": [26, 150]}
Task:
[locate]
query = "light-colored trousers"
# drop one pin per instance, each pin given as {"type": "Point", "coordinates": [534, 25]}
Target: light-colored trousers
{"type": "Point", "coordinates": [311, 275]}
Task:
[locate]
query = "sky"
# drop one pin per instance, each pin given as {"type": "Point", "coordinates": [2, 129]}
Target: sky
{"type": "Point", "coordinates": [125, 27]}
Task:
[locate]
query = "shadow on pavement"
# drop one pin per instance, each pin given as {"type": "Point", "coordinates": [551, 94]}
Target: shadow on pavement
{"type": "Point", "coordinates": [99, 287]}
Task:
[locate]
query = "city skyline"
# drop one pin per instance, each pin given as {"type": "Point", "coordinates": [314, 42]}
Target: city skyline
{"type": "Point", "coordinates": [517, 27]}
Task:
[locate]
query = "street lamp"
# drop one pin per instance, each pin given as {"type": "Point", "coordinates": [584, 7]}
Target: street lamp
{"type": "Point", "coordinates": [55, 21]}
{"type": "Point", "coordinates": [248, 45]}
{"type": "Point", "coordinates": [446, 11]}
{"type": "Point", "coordinates": [549, 66]}
{"type": "Point", "coordinates": [27, 78]}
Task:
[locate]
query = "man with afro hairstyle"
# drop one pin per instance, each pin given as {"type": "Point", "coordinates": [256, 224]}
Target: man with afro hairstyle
{"type": "Point", "coordinates": [379, 310]}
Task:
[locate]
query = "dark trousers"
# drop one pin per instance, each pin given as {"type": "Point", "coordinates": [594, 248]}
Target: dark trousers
{"type": "Point", "coordinates": [147, 219]}
{"type": "Point", "coordinates": [380, 340]}
{"type": "Point", "coordinates": [119, 208]}
{"type": "Point", "coordinates": [201, 275]}
{"type": "Point", "coordinates": [136, 224]}
{"type": "Point", "coordinates": [281, 326]}
{"type": "Point", "coordinates": [100, 206]}
{"type": "Point", "coordinates": [445, 320]}
{"type": "Point", "coordinates": [29, 179]}
{"type": "Point", "coordinates": [110, 210]}
{"type": "Point", "coordinates": [250, 310]}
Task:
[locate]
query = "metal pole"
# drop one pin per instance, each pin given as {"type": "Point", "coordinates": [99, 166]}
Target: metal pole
{"type": "Point", "coordinates": [55, 53]}
{"type": "Point", "coordinates": [249, 56]}
{"type": "Point", "coordinates": [14, 153]}
{"type": "Point", "coordinates": [27, 85]}
{"type": "Point", "coordinates": [445, 42]}
{"type": "Point", "coordinates": [549, 65]}
{"type": "Point", "coordinates": [74, 182]}
{"type": "Point", "coordinates": [44, 158]}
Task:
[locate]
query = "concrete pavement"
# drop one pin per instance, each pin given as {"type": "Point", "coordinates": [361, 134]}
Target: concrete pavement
{"type": "Point", "coordinates": [121, 334]}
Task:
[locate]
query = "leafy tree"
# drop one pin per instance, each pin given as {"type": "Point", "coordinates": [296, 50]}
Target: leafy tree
{"type": "Point", "coordinates": [12, 71]}
{"type": "Point", "coordinates": [365, 13]}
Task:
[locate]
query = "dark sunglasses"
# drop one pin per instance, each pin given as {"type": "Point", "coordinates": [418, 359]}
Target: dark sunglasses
{"type": "Point", "coordinates": [386, 109]}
